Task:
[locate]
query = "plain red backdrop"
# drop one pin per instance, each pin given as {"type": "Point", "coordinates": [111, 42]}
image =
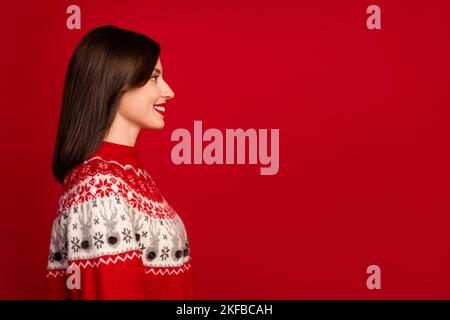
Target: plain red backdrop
{"type": "Point", "coordinates": [364, 141]}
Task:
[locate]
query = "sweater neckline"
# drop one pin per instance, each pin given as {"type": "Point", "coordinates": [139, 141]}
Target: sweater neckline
{"type": "Point", "coordinates": [118, 151]}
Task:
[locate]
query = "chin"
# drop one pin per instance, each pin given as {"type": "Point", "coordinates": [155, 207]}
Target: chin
{"type": "Point", "coordinates": [156, 126]}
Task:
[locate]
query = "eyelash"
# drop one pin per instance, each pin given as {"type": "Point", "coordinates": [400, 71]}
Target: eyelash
{"type": "Point", "coordinates": [155, 76]}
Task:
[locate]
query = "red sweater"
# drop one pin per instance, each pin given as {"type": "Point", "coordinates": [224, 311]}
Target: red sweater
{"type": "Point", "coordinates": [115, 236]}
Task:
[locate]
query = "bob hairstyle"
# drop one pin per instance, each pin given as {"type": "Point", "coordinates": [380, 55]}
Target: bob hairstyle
{"type": "Point", "coordinates": [107, 62]}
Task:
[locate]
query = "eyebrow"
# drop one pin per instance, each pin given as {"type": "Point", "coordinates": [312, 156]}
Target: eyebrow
{"type": "Point", "coordinates": [157, 70]}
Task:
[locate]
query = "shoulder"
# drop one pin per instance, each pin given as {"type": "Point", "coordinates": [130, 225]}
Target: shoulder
{"type": "Point", "coordinates": [99, 177]}
{"type": "Point", "coordinates": [96, 165]}
{"type": "Point", "coordinates": [95, 178]}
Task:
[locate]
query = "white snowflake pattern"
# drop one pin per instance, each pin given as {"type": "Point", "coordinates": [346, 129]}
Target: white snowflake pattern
{"type": "Point", "coordinates": [103, 165]}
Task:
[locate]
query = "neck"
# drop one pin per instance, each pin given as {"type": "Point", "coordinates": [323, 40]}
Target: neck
{"type": "Point", "coordinates": [122, 132]}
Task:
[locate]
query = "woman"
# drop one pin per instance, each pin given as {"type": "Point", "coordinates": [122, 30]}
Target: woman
{"type": "Point", "coordinates": [114, 235]}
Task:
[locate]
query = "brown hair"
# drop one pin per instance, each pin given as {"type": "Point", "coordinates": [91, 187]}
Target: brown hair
{"type": "Point", "coordinates": [107, 62]}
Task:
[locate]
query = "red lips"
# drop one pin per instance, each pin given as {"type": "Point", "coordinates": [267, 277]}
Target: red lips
{"type": "Point", "coordinates": [160, 108]}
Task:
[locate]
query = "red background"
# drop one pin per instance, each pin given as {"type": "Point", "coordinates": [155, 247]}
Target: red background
{"type": "Point", "coordinates": [364, 141]}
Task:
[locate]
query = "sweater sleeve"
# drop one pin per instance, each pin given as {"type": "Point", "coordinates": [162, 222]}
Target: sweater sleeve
{"type": "Point", "coordinates": [93, 252]}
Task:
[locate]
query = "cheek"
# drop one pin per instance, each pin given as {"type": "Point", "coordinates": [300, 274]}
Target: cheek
{"type": "Point", "coordinates": [137, 105]}
{"type": "Point", "coordinates": [152, 95]}
{"type": "Point", "coordinates": [134, 105]}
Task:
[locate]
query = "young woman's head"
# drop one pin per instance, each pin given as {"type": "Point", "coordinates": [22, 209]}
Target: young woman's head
{"type": "Point", "coordinates": [113, 83]}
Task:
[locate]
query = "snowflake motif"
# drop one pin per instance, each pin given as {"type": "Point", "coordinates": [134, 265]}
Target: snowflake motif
{"type": "Point", "coordinates": [126, 235]}
{"type": "Point", "coordinates": [74, 226]}
{"type": "Point", "coordinates": [103, 165]}
{"type": "Point", "coordinates": [141, 247]}
{"type": "Point", "coordinates": [165, 236]}
{"type": "Point", "coordinates": [146, 218]}
{"type": "Point", "coordinates": [113, 180]}
{"type": "Point", "coordinates": [143, 185]}
{"type": "Point", "coordinates": [103, 187]}
{"type": "Point", "coordinates": [120, 185]}
{"type": "Point", "coordinates": [144, 234]}
{"type": "Point", "coordinates": [80, 189]}
{"type": "Point", "coordinates": [98, 240]}
{"type": "Point", "coordinates": [75, 244]}
{"type": "Point", "coordinates": [96, 221]}
{"type": "Point", "coordinates": [164, 253]}
{"type": "Point", "coordinates": [50, 256]}
{"type": "Point", "coordinates": [75, 209]}
{"type": "Point", "coordinates": [123, 217]}
{"type": "Point", "coordinates": [117, 199]}
{"type": "Point", "coordinates": [94, 203]}
{"type": "Point", "coordinates": [65, 215]}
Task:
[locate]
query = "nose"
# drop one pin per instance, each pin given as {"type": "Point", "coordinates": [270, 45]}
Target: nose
{"type": "Point", "coordinates": [167, 92]}
{"type": "Point", "coordinates": [171, 95]}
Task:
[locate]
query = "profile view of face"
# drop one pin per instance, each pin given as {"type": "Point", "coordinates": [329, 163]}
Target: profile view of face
{"type": "Point", "coordinates": [145, 106]}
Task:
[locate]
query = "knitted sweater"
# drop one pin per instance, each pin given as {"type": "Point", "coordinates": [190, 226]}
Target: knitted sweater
{"type": "Point", "coordinates": [115, 236]}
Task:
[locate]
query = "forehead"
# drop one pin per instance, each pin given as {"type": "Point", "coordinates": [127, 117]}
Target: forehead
{"type": "Point", "coordinates": [158, 67]}
{"type": "Point", "coordinates": [158, 64]}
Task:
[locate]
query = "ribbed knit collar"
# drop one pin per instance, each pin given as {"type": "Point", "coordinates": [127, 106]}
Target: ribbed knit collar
{"type": "Point", "coordinates": [123, 153]}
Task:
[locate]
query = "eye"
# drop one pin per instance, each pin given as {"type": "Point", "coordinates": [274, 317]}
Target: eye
{"type": "Point", "coordinates": [156, 76]}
